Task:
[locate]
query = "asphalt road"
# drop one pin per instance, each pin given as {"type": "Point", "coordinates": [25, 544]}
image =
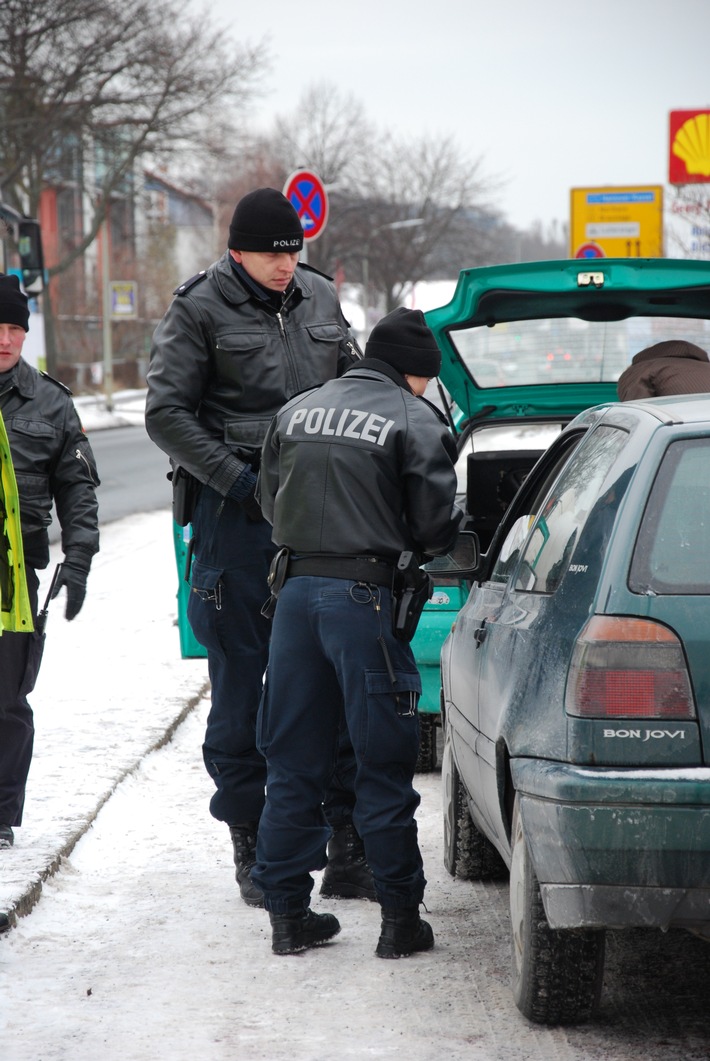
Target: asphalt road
{"type": "Point", "coordinates": [132, 471]}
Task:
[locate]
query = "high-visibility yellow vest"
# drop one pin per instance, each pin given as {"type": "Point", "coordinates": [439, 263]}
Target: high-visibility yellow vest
{"type": "Point", "coordinates": [15, 611]}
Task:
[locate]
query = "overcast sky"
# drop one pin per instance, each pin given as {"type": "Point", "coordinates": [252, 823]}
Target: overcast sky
{"type": "Point", "coordinates": [550, 94]}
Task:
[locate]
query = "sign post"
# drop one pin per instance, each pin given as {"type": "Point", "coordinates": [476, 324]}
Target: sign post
{"type": "Point", "coordinates": [307, 195]}
{"type": "Point", "coordinates": [619, 222]}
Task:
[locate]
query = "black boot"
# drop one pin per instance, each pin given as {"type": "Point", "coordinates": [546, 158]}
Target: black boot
{"type": "Point", "coordinates": [347, 875]}
{"type": "Point", "coordinates": [403, 932]}
{"type": "Point", "coordinates": [244, 842]}
{"type": "Point", "coordinates": [291, 933]}
{"type": "Point", "coordinates": [7, 837]}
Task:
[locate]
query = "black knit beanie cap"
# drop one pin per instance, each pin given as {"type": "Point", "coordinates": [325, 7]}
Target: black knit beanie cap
{"type": "Point", "coordinates": [671, 348]}
{"type": "Point", "coordinates": [265, 220]}
{"type": "Point", "coordinates": [404, 340]}
{"type": "Point", "coordinates": [13, 303]}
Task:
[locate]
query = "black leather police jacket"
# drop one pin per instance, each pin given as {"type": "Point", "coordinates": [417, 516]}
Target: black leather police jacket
{"type": "Point", "coordinates": [360, 466]}
{"type": "Point", "coordinates": [53, 461]}
{"type": "Point", "coordinates": [223, 362]}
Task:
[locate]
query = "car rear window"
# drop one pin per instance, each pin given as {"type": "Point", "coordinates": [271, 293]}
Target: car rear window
{"type": "Point", "coordinates": [672, 553]}
{"type": "Point", "coordinates": [564, 349]}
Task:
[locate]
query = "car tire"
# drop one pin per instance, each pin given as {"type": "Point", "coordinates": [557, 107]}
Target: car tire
{"type": "Point", "coordinates": [427, 758]}
{"type": "Point", "coordinates": [468, 854]}
{"type": "Point", "coordinates": [557, 973]}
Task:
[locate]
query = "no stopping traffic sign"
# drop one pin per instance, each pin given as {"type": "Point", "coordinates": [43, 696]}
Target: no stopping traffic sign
{"type": "Point", "coordinates": [306, 193]}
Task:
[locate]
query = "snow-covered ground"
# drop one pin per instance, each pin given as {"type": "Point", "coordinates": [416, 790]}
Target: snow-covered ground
{"type": "Point", "coordinates": [112, 685]}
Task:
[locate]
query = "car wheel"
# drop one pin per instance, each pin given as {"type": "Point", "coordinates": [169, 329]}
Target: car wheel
{"type": "Point", "coordinates": [557, 973]}
{"type": "Point", "coordinates": [468, 854]}
{"type": "Point", "coordinates": [426, 759]}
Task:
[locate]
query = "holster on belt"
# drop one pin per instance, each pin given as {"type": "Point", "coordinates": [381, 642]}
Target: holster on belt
{"type": "Point", "coordinates": [276, 578]}
{"type": "Point", "coordinates": [186, 489]}
{"type": "Point", "coordinates": [412, 589]}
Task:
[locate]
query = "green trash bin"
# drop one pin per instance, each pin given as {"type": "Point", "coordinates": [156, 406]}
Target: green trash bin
{"type": "Point", "coordinates": [190, 647]}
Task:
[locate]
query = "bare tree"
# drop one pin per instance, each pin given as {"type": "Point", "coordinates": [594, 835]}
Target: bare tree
{"type": "Point", "coordinates": [89, 87]}
{"type": "Point", "coordinates": [395, 205]}
{"type": "Point", "coordinates": [259, 166]}
{"type": "Point", "coordinates": [328, 133]}
{"type": "Point", "coordinates": [425, 194]}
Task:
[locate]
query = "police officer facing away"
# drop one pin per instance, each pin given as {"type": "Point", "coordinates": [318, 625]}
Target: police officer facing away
{"type": "Point", "coordinates": [352, 474]}
{"type": "Point", "coordinates": [53, 462]}
{"type": "Point", "coordinates": [239, 340]}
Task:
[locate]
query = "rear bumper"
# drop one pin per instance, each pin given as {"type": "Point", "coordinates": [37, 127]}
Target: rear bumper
{"type": "Point", "coordinates": [618, 847]}
{"type": "Point", "coordinates": [599, 906]}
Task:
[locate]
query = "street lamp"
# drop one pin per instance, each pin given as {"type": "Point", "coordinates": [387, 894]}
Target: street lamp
{"type": "Point", "coordinates": [410, 222]}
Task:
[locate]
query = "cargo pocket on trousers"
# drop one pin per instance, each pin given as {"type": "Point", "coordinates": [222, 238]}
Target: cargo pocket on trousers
{"type": "Point", "coordinates": [205, 602]}
{"type": "Point", "coordinates": [392, 721]}
{"type": "Point", "coordinates": [34, 660]}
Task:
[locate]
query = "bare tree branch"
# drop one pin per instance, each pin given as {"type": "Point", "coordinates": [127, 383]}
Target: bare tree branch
{"type": "Point", "coordinates": [125, 80]}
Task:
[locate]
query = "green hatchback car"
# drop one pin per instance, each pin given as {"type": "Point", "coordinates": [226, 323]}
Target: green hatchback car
{"type": "Point", "coordinates": [560, 334]}
{"type": "Point", "coordinates": [576, 678]}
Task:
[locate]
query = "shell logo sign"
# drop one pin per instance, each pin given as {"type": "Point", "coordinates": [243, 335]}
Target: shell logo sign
{"type": "Point", "coordinates": [689, 158]}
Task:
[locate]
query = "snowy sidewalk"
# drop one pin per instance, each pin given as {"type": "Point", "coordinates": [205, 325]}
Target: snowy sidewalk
{"type": "Point", "coordinates": [112, 687]}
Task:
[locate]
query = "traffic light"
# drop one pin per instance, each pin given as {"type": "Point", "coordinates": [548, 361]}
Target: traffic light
{"type": "Point", "coordinates": [29, 247]}
{"type": "Point", "coordinates": [26, 235]}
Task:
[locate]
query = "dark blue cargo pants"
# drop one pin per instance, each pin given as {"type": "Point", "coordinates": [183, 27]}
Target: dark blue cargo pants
{"type": "Point", "coordinates": [326, 663]}
{"type": "Point", "coordinates": [228, 581]}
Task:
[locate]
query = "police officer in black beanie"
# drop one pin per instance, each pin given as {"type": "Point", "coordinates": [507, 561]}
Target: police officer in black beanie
{"type": "Point", "coordinates": [239, 339]}
{"type": "Point", "coordinates": [352, 474]}
{"type": "Point", "coordinates": [53, 462]}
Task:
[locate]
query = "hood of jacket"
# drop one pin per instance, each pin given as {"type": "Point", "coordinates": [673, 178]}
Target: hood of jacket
{"type": "Point", "coordinates": [670, 348]}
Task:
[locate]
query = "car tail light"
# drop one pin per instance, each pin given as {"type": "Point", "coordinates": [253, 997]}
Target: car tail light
{"type": "Point", "coordinates": [628, 668]}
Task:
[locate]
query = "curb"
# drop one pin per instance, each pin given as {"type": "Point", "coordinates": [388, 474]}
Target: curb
{"type": "Point", "coordinates": [29, 899]}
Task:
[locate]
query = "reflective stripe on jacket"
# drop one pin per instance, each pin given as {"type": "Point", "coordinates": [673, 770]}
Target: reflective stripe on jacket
{"type": "Point", "coordinates": [15, 611]}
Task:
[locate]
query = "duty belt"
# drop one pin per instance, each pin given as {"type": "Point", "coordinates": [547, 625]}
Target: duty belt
{"type": "Point", "coordinates": [358, 568]}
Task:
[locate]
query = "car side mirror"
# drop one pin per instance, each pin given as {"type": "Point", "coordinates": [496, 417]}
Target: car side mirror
{"type": "Point", "coordinates": [461, 561]}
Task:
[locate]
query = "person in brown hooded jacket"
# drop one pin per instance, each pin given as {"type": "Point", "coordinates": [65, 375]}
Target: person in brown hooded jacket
{"type": "Point", "coordinates": [670, 367]}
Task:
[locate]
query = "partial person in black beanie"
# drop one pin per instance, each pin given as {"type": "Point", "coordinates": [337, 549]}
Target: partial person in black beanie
{"type": "Point", "coordinates": [14, 303]}
{"type": "Point", "coordinates": [266, 221]}
{"type": "Point", "coordinates": [239, 339]}
{"type": "Point", "coordinates": [404, 340]}
{"type": "Point", "coordinates": [53, 467]}
{"type": "Point", "coordinates": [353, 474]}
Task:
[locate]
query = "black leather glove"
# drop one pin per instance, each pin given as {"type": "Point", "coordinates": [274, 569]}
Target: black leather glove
{"type": "Point", "coordinates": [73, 577]}
{"type": "Point", "coordinates": [252, 508]}
{"type": "Point", "coordinates": [242, 490]}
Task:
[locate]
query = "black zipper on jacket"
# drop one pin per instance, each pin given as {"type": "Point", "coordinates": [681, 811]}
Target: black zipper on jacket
{"type": "Point", "coordinates": [80, 457]}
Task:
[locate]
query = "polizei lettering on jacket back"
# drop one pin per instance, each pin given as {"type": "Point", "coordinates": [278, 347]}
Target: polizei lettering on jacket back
{"type": "Point", "coordinates": [345, 423]}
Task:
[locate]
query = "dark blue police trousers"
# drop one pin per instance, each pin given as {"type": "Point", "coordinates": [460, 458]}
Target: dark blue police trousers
{"type": "Point", "coordinates": [326, 663]}
{"type": "Point", "coordinates": [229, 585]}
